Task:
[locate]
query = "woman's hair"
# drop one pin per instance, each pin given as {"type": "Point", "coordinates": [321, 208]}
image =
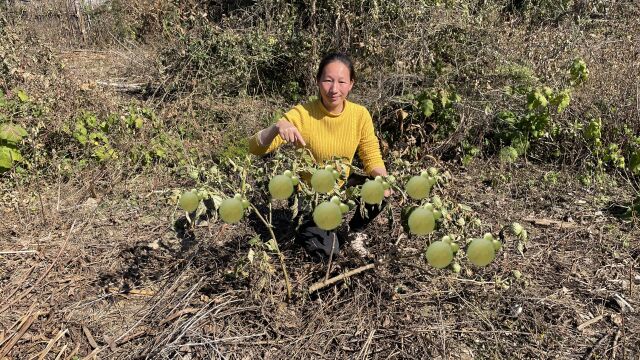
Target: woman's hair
{"type": "Point", "coordinates": [336, 56]}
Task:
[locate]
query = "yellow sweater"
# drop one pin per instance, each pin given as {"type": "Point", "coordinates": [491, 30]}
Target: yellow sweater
{"type": "Point", "coordinates": [328, 135]}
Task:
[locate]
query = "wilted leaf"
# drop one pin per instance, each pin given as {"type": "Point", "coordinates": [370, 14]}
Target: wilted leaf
{"type": "Point", "coordinates": [271, 245]}
{"type": "Point", "coordinates": [401, 114]}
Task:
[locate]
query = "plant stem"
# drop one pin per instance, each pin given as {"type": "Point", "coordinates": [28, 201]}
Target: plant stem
{"type": "Point", "coordinates": [280, 256]}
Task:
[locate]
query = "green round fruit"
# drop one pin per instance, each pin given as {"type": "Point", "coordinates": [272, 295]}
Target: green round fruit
{"type": "Point", "coordinates": [280, 187]}
{"type": "Point", "coordinates": [372, 192]}
{"type": "Point", "coordinates": [288, 173]}
{"type": "Point", "coordinates": [231, 210]}
{"type": "Point", "coordinates": [455, 247]}
{"type": "Point", "coordinates": [432, 171]}
{"type": "Point", "coordinates": [323, 181]}
{"type": "Point", "coordinates": [418, 187]}
{"type": "Point", "coordinates": [421, 221]}
{"type": "Point", "coordinates": [439, 254]}
{"type": "Point", "coordinates": [497, 245]}
{"type": "Point", "coordinates": [344, 208]}
{"type": "Point", "coordinates": [327, 216]}
{"type": "Point", "coordinates": [189, 201]}
{"type": "Point", "coordinates": [336, 200]}
{"type": "Point", "coordinates": [481, 252]}
{"type": "Point", "coordinates": [295, 181]}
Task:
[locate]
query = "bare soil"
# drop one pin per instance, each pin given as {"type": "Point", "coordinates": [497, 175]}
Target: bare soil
{"type": "Point", "coordinates": [108, 276]}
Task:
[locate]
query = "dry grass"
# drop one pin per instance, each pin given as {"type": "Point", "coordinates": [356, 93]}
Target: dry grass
{"type": "Point", "coordinates": [91, 265]}
{"type": "Point", "coordinates": [113, 270]}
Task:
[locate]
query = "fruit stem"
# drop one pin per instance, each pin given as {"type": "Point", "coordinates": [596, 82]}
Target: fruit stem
{"type": "Point", "coordinates": [280, 256]}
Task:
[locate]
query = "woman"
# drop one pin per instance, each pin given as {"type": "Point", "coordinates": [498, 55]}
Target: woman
{"type": "Point", "coordinates": [330, 126]}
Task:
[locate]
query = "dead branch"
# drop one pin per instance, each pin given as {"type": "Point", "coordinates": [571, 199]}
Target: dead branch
{"type": "Point", "coordinates": [124, 87]}
{"type": "Point", "coordinates": [319, 285]}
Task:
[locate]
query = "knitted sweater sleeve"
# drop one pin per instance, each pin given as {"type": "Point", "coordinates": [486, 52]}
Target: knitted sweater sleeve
{"type": "Point", "coordinates": [369, 147]}
{"type": "Point", "coordinates": [293, 116]}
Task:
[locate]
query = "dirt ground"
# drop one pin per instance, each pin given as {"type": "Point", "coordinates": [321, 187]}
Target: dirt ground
{"type": "Point", "coordinates": [105, 275]}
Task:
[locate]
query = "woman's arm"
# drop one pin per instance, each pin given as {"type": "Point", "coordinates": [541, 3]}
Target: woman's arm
{"type": "Point", "coordinates": [287, 131]}
{"type": "Point", "coordinates": [378, 171]}
{"type": "Point", "coordinates": [265, 140]}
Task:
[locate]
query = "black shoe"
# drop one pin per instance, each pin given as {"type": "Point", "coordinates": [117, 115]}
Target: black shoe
{"type": "Point", "coordinates": [318, 243]}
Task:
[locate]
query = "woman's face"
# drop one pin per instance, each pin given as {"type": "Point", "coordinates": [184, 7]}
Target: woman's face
{"type": "Point", "coordinates": [335, 84]}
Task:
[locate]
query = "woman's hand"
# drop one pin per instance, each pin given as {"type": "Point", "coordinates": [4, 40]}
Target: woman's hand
{"type": "Point", "coordinates": [382, 172]}
{"type": "Point", "coordinates": [289, 133]}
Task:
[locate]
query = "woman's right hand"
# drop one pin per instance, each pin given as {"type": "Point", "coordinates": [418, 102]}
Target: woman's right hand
{"type": "Point", "coordinates": [289, 133]}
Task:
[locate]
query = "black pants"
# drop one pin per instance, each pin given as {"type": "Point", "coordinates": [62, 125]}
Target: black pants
{"type": "Point", "coordinates": [360, 222]}
{"type": "Point", "coordinates": [321, 243]}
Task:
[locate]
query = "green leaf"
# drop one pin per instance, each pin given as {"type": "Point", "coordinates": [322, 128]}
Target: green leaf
{"type": "Point", "coordinates": [563, 100]}
{"type": "Point", "coordinates": [5, 160]}
{"type": "Point", "coordinates": [22, 95]}
{"type": "Point", "coordinates": [634, 162]}
{"type": "Point", "coordinates": [12, 133]}
{"type": "Point", "coordinates": [541, 99]}
{"type": "Point", "coordinates": [427, 107]}
{"type": "Point", "coordinates": [254, 241]}
{"type": "Point", "coordinates": [8, 156]}
{"type": "Point", "coordinates": [508, 155]}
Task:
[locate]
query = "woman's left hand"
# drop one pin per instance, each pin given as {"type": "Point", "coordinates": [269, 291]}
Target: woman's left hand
{"type": "Point", "coordinates": [382, 172]}
{"type": "Point", "coordinates": [388, 192]}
